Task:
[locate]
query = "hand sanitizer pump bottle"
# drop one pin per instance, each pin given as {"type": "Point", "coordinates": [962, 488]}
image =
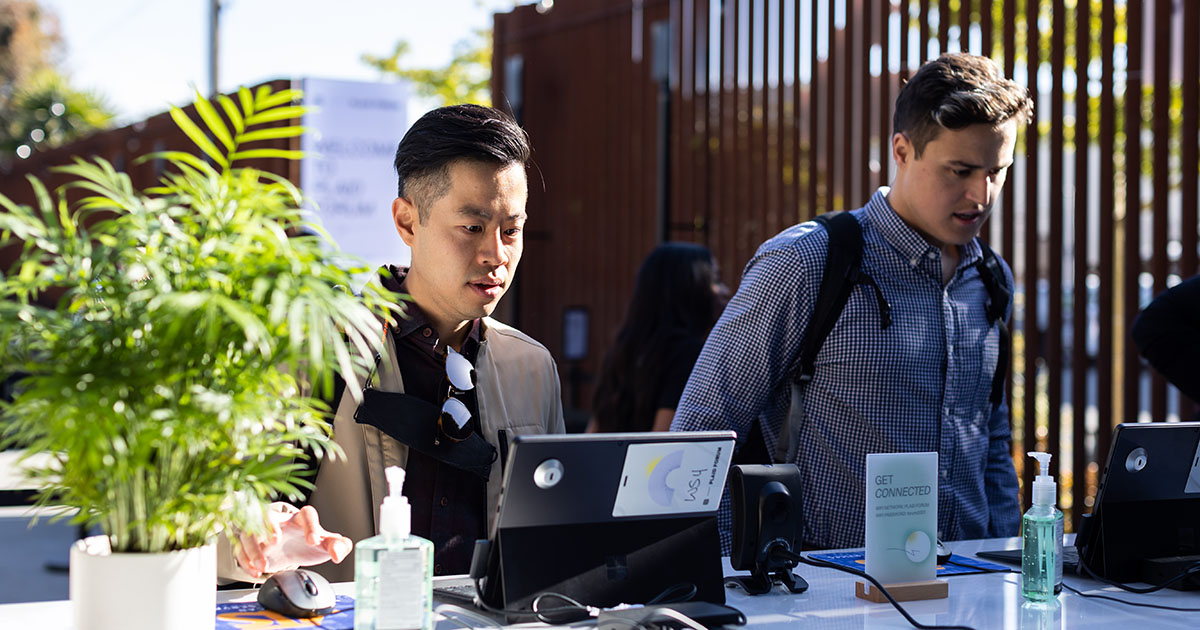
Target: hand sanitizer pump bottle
{"type": "Point", "coordinates": [1042, 539]}
{"type": "Point", "coordinates": [393, 572]}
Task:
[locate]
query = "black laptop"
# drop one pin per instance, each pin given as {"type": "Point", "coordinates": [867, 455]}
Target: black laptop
{"type": "Point", "coordinates": [608, 519]}
{"type": "Point", "coordinates": [1145, 523]}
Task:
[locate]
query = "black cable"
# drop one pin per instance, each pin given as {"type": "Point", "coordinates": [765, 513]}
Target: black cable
{"type": "Point", "coordinates": [978, 568]}
{"type": "Point", "coordinates": [571, 613]}
{"type": "Point", "coordinates": [575, 611]}
{"type": "Point", "coordinates": [681, 592]}
{"type": "Point", "coordinates": [1097, 595]}
{"type": "Point", "coordinates": [479, 601]}
{"type": "Point", "coordinates": [816, 562]}
{"type": "Point", "coordinates": [1125, 601]}
{"type": "Point", "coordinates": [1192, 568]}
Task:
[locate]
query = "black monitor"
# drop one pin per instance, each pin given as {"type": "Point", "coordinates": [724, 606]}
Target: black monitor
{"type": "Point", "coordinates": [1145, 523]}
{"type": "Point", "coordinates": [609, 518]}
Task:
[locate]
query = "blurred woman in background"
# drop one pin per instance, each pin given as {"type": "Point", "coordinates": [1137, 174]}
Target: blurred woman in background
{"type": "Point", "coordinates": [676, 300]}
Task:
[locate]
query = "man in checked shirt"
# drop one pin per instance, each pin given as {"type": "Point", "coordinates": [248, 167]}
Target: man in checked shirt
{"type": "Point", "coordinates": [924, 382]}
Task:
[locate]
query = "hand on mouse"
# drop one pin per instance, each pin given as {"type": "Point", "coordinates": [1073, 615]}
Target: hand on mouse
{"type": "Point", "coordinates": [296, 539]}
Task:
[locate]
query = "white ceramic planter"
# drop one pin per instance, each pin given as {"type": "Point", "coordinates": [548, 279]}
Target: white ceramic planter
{"type": "Point", "coordinates": [175, 590]}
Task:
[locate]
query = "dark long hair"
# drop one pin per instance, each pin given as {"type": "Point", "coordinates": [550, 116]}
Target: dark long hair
{"type": "Point", "coordinates": [673, 300]}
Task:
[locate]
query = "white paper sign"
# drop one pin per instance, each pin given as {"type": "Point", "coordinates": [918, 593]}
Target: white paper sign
{"type": "Point", "coordinates": [347, 169]}
{"type": "Point", "coordinates": [901, 523]}
{"type": "Point", "coordinates": [673, 478]}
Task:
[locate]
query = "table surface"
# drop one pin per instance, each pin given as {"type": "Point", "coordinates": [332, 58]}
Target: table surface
{"type": "Point", "coordinates": [982, 601]}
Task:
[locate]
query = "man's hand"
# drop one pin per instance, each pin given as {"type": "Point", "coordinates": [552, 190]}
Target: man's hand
{"type": "Point", "coordinates": [296, 539]}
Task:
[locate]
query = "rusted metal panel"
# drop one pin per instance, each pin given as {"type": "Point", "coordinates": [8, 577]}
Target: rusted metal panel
{"type": "Point", "coordinates": [1131, 223]}
{"type": "Point", "coordinates": [1160, 166]}
{"type": "Point", "coordinates": [813, 140]}
{"type": "Point", "coordinates": [1106, 263]}
{"type": "Point", "coordinates": [1054, 261]}
{"type": "Point", "coordinates": [1189, 162]}
{"type": "Point", "coordinates": [1081, 212]}
{"type": "Point", "coordinates": [1033, 356]}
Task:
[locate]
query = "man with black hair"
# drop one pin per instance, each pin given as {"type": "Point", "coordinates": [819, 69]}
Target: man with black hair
{"type": "Point", "coordinates": [908, 366]}
{"type": "Point", "coordinates": [454, 385]}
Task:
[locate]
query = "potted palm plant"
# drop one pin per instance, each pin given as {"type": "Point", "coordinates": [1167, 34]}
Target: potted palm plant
{"type": "Point", "coordinates": [171, 384]}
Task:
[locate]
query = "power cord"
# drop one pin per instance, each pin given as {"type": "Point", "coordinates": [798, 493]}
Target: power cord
{"type": "Point", "coordinates": [1186, 572]}
{"type": "Point", "coordinates": [574, 611]}
{"type": "Point", "coordinates": [1125, 601]}
{"type": "Point", "coordinates": [1192, 568]}
{"type": "Point", "coordinates": [830, 565]}
{"type": "Point", "coordinates": [978, 568]}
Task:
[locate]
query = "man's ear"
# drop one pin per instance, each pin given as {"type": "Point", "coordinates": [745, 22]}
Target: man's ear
{"type": "Point", "coordinates": [902, 149]}
{"type": "Point", "coordinates": [405, 217]}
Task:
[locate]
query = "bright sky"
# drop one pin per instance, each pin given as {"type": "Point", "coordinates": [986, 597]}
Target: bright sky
{"type": "Point", "coordinates": [144, 54]}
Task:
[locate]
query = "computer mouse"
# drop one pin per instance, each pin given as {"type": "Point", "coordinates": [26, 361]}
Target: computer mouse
{"type": "Point", "coordinates": [297, 594]}
{"type": "Point", "coordinates": [943, 552]}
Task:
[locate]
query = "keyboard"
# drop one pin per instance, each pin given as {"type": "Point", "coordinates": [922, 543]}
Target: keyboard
{"type": "Point", "coordinates": [1013, 556]}
{"type": "Point", "coordinates": [462, 594]}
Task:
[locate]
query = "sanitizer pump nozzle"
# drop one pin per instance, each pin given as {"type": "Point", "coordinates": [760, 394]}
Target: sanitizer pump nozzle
{"type": "Point", "coordinates": [395, 515]}
{"type": "Point", "coordinates": [1045, 491]}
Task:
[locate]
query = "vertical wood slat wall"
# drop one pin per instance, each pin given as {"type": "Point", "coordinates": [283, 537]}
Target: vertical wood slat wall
{"type": "Point", "coordinates": [781, 109]}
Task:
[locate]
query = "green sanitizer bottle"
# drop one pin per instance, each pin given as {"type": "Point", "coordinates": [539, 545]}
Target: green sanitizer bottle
{"type": "Point", "coordinates": [1042, 539]}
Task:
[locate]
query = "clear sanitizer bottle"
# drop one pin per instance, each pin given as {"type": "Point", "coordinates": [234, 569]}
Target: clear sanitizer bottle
{"type": "Point", "coordinates": [1042, 538]}
{"type": "Point", "coordinates": [393, 572]}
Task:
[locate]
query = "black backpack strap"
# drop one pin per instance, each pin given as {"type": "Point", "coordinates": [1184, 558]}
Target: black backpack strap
{"type": "Point", "coordinates": [843, 261]}
{"type": "Point", "coordinates": [999, 297]}
{"type": "Point", "coordinates": [993, 278]}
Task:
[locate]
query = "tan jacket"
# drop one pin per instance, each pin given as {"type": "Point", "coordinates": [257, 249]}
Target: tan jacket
{"type": "Point", "coordinates": [517, 390]}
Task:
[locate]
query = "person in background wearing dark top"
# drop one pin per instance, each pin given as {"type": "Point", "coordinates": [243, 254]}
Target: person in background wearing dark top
{"type": "Point", "coordinates": [676, 298]}
{"type": "Point", "coordinates": [454, 385]}
{"type": "Point", "coordinates": [1167, 333]}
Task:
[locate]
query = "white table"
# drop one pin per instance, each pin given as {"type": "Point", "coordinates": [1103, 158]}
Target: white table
{"type": "Point", "coordinates": [986, 602]}
{"type": "Point", "coordinates": [983, 601]}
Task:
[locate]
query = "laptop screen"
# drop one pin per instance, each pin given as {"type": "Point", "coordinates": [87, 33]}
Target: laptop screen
{"type": "Point", "coordinates": [1147, 507]}
{"type": "Point", "coordinates": [602, 477]}
{"type": "Point", "coordinates": [609, 518]}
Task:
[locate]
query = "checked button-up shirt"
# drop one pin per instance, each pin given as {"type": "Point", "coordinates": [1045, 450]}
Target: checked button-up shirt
{"type": "Point", "coordinates": [922, 384]}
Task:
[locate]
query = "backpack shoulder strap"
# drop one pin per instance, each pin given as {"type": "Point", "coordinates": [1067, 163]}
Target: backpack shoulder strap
{"type": "Point", "coordinates": [843, 261]}
{"type": "Point", "coordinates": [999, 297]}
{"type": "Point", "coordinates": [996, 284]}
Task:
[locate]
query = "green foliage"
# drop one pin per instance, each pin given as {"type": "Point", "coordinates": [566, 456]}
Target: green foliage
{"type": "Point", "coordinates": [39, 108]}
{"type": "Point", "coordinates": [46, 112]}
{"type": "Point", "coordinates": [464, 80]}
{"type": "Point", "coordinates": [170, 381]}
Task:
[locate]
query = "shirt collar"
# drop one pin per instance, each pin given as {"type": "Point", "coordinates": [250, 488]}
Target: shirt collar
{"type": "Point", "coordinates": [906, 240]}
{"type": "Point", "coordinates": [416, 321]}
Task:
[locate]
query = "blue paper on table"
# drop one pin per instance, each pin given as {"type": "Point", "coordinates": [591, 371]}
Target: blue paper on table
{"type": "Point", "coordinates": [856, 560]}
{"type": "Point", "coordinates": [247, 615]}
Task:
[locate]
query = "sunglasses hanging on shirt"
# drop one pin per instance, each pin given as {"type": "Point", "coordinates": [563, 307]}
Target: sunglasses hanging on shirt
{"type": "Point", "coordinates": [454, 421]}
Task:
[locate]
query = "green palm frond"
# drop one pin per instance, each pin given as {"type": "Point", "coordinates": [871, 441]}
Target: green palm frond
{"type": "Point", "coordinates": [170, 381]}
